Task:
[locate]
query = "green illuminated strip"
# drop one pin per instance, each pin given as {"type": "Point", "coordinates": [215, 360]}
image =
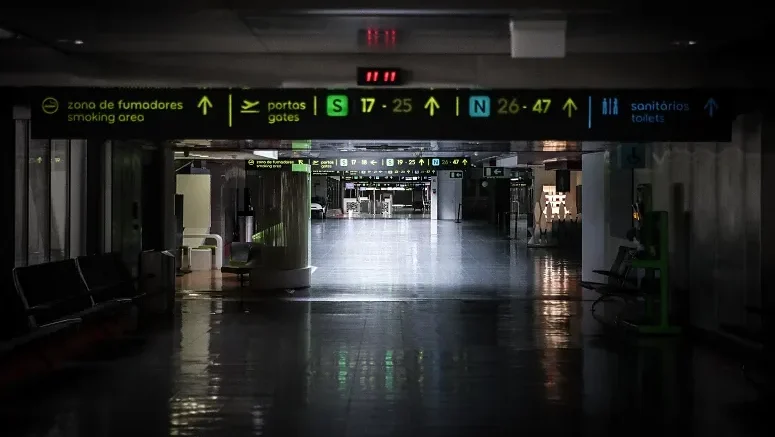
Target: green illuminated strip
{"type": "Point", "coordinates": [272, 232]}
{"type": "Point", "coordinates": [302, 168]}
{"type": "Point", "coordinates": [301, 145]}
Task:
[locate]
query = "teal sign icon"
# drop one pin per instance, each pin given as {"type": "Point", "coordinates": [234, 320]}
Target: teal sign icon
{"type": "Point", "coordinates": [479, 106]}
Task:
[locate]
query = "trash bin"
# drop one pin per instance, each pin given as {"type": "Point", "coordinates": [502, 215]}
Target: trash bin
{"type": "Point", "coordinates": [157, 280]}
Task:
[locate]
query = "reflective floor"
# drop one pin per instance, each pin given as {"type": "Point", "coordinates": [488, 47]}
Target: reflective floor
{"type": "Point", "coordinates": [409, 331]}
{"type": "Point", "coordinates": [359, 259]}
{"type": "Point", "coordinates": [414, 368]}
{"type": "Point", "coordinates": [398, 213]}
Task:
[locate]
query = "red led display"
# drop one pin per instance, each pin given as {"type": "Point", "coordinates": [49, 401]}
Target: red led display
{"type": "Point", "coordinates": [381, 37]}
{"type": "Point", "coordinates": [379, 76]}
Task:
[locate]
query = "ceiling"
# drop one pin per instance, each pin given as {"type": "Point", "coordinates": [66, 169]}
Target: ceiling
{"type": "Point", "coordinates": [461, 43]}
{"type": "Point", "coordinates": [452, 42]}
{"type": "Point", "coordinates": [481, 32]}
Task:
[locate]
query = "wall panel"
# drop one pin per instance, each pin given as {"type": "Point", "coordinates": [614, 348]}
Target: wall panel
{"type": "Point", "coordinates": [704, 228]}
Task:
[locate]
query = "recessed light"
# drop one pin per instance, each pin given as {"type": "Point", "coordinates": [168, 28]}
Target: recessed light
{"type": "Point", "coordinates": [684, 43]}
{"type": "Point", "coordinates": [70, 41]}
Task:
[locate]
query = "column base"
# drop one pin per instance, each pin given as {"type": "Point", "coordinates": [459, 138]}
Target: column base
{"type": "Point", "coordinates": [267, 279]}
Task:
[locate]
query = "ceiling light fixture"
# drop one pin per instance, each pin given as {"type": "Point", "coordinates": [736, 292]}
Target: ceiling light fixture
{"type": "Point", "coordinates": [684, 43]}
{"type": "Point", "coordinates": [70, 41]}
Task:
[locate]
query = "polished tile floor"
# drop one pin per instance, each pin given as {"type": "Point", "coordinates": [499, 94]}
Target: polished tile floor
{"type": "Point", "coordinates": [370, 259]}
{"type": "Point", "coordinates": [415, 368]}
{"type": "Point", "coordinates": [514, 352]}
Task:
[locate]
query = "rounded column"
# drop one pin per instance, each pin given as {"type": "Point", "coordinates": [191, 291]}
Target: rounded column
{"type": "Point", "coordinates": [281, 205]}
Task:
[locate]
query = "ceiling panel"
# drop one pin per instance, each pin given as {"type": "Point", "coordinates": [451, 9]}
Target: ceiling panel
{"type": "Point", "coordinates": [231, 31]}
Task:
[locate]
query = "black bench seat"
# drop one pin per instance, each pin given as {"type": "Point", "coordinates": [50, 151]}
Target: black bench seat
{"type": "Point", "coordinates": [107, 277]}
{"type": "Point", "coordinates": [56, 291]}
{"type": "Point", "coordinates": [27, 349]}
{"type": "Point", "coordinates": [37, 335]}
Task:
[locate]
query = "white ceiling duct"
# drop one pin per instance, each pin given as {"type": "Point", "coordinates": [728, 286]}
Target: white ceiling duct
{"type": "Point", "coordinates": [537, 39]}
{"type": "Point", "coordinates": [266, 154]}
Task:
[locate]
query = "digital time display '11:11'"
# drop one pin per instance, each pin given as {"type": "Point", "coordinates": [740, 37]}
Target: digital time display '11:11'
{"type": "Point", "coordinates": [380, 76]}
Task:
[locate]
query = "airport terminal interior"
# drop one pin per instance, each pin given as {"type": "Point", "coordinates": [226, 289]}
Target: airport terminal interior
{"type": "Point", "coordinates": [384, 222]}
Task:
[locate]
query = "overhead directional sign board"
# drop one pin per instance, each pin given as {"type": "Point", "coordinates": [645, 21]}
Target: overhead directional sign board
{"type": "Point", "coordinates": [350, 163]}
{"type": "Point", "coordinates": [275, 164]}
{"type": "Point", "coordinates": [388, 178]}
{"type": "Point", "coordinates": [377, 173]}
{"type": "Point", "coordinates": [373, 114]}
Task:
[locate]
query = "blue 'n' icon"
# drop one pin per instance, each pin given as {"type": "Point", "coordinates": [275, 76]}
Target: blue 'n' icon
{"type": "Point", "coordinates": [435, 161]}
{"type": "Point", "coordinates": [479, 106]}
{"type": "Point", "coordinates": [610, 106]}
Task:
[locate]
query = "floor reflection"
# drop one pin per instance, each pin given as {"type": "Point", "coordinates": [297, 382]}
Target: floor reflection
{"type": "Point", "coordinates": [374, 260]}
{"type": "Point", "coordinates": [434, 367]}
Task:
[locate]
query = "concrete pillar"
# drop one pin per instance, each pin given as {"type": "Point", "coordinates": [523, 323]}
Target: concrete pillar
{"type": "Point", "coordinates": [168, 197]}
{"type": "Point", "coordinates": [281, 201]}
{"type": "Point", "coordinates": [767, 156]}
{"type": "Point", "coordinates": [449, 196]}
{"type": "Point", "coordinates": [593, 212]}
{"type": "Point", "coordinates": [77, 188]}
{"type": "Point", "coordinates": [434, 194]}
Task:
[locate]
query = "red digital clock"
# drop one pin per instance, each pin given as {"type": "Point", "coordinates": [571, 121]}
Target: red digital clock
{"type": "Point", "coordinates": [380, 76]}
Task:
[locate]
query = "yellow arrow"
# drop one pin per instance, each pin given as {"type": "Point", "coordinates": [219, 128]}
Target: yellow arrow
{"type": "Point", "coordinates": [204, 104]}
{"type": "Point", "coordinates": [569, 106]}
{"type": "Point", "coordinates": [431, 105]}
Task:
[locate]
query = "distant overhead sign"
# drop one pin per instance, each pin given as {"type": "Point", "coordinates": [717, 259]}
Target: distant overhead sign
{"type": "Point", "coordinates": [374, 114]}
{"type": "Point", "coordinates": [388, 178]}
{"type": "Point", "coordinates": [393, 165]}
{"type": "Point", "coordinates": [496, 172]}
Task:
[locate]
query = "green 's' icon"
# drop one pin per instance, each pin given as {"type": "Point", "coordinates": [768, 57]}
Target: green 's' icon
{"type": "Point", "coordinates": [336, 105]}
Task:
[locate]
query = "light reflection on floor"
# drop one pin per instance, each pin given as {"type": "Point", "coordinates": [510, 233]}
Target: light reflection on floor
{"type": "Point", "coordinates": [429, 367]}
{"type": "Point", "coordinates": [394, 260]}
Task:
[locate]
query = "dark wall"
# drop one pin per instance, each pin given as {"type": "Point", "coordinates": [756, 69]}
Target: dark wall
{"type": "Point", "coordinates": [127, 199]}
{"type": "Point", "coordinates": [8, 190]}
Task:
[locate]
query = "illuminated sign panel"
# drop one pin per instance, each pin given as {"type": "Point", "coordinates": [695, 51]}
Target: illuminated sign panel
{"type": "Point", "coordinates": [379, 113]}
{"type": "Point", "coordinates": [387, 179]}
{"type": "Point", "coordinates": [380, 76]}
{"type": "Point", "coordinates": [274, 164]}
{"type": "Point", "coordinates": [404, 173]}
{"type": "Point", "coordinates": [366, 163]}
{"type": "Point", "coordinates": [378, 38]}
